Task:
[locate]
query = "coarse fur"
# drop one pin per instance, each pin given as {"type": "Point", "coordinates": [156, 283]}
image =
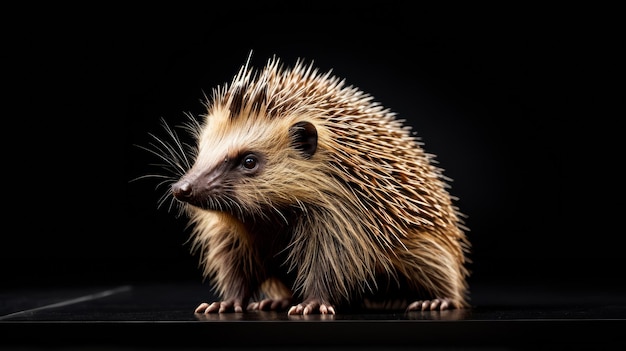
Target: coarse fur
{"type": "Point", "coordinates": [304, 191]}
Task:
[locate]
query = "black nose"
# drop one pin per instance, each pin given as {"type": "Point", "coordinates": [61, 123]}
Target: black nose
{"type": "Point", "coordinates": [182, 190]}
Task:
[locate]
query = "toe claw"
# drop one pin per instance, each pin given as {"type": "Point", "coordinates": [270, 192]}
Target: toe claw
{"type": "Point", "coordinates": [201, 308]}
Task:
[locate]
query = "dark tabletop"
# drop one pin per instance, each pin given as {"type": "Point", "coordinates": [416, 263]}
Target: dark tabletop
{"type": "Point", "coordinates": [161, 315]}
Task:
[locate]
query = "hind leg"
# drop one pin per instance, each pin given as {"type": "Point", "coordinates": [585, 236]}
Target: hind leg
{"type": "Point", "coordinates": [435, 274]}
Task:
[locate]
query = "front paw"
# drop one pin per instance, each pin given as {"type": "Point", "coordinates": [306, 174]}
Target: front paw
{"type": "Point", "coordinates": [269, 305]}
{"type": "Point", "coordinates": [230, 305]}
{"type": "Point", "coordinates": [311, 306]}
{"type": "Point", "coordinates": [430, 305]}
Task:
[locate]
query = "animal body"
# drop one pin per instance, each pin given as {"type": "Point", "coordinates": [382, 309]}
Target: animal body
{"type": "Point", "coordinates": [304, 194]}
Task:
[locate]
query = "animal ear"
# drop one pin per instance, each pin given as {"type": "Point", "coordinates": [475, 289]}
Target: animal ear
{"type": "Point", "coordinates": [304, 138]}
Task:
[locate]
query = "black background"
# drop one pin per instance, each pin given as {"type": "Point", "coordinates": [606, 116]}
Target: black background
{"type": "Point", "coordinates": [522, 106]}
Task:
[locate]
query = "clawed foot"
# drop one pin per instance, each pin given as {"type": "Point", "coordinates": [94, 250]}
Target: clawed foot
{"type": "Point", "coordinates": [269, 305]}
{"type": "Point", "coordinates": [310, 307]}
{"type": "Point", "coordinates": [232, 305]}
{"type": "Point", "coordinates": [430, 305]}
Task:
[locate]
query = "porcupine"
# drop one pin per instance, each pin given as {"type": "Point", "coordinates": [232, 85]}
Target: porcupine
{"type": "Point", "coordinates": [304, 191]}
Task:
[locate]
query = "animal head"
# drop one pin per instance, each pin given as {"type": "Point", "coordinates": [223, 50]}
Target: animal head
{"type": "Point", "coordinates": [261, 143]}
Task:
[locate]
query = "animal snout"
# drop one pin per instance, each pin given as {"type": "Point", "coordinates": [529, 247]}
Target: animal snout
{"type": "Point", "coordinates": [182, 190]}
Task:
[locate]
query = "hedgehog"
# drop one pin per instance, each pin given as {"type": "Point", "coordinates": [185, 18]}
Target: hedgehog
{"type": "Point", "coordinates": [306, 195]}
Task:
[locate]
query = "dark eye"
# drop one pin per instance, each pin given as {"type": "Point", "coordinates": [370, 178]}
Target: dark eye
{"type": "Point", "coordinates": [249, 162]}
